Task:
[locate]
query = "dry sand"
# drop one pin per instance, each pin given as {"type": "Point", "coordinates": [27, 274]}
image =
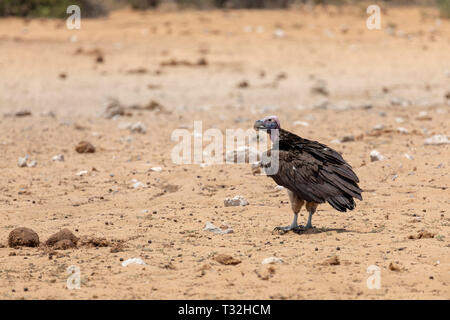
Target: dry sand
{"type": "Point", "coordinates": [163, 223]}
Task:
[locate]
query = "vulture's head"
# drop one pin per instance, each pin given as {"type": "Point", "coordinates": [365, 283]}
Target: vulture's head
{"type": "Point", "coordinates": [268, 123]}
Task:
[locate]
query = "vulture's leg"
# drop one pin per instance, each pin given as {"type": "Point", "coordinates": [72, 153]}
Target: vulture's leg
{"type": "Point", "coordinates": [311, 208]}
{"type": "Point", "coordinates": [296, 205]}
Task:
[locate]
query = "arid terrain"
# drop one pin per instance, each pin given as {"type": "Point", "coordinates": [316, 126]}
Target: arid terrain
{"type": "Point", "coordinates": [322, 72]}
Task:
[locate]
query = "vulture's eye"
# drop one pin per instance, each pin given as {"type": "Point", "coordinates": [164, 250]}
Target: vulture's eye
{"type": "Point", "coordinates": [270, 120]}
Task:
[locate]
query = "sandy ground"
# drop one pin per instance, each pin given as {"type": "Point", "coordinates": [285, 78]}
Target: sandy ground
{"type": "Point", "coordinates": [385, 77]}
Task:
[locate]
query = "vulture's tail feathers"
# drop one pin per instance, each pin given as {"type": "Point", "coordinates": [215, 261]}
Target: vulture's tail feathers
{"type": "Point", "coordinates": [342, 203]}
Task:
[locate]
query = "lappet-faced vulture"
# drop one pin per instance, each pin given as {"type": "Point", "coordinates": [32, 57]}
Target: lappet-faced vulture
{"type": "Point", "coordinates": [310, 171]}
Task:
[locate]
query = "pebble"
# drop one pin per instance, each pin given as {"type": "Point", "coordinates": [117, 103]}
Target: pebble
{"type": "Point", "coordinates": [256, 168]}
{"type": "Point", "coordinates": [272, 260]}
{"type": "Point", "coordinates": [133, 261]}
{"type": "Point", "coordinates": [376, 156]}
{"type": "Point", "coordinates": [236, 201]}
{"type": "Point", "coordinates": [212, 228]}
{"type": "Point", "coordinates": [82, 173]}
{"type": "Point", "coordinates": [138, 184]}
{"type": "Point", "coordinates": [58, 157]}
{"type": "Point", "coordinates": [22, 162]}
{"type": "Point", "coordinates": [301, 123]}
{"type": "Point", "coordinates": [437, 139]}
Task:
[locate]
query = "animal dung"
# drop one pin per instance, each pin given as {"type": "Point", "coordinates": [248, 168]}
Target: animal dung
{"type": "Point", "coordinates": [226, 259]}
{"type": "Point", "coordinates": [23, 237]}
{"type": "Point", "coordinates": [85, 147]}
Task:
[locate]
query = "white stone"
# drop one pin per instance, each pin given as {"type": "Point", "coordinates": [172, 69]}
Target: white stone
{"type": "Point", "coordinates": [301, 123]}
{"type": "Point", "coordinates": [212, 228]}
{"type": "Point", "coordinates": [133, 261]}
{"type": "Point", "coordinates": [272, 260]}
{"type": "Point", "coordinates": [437, 139]}
{"type": "Point", "coordinates": [402, 130]}
{"type": "Point", "coordinates": [22, 162]}
{"type": "Point", "coordinates": [58, 157]}
{"type": "Point", "coordinates": [376, 156]}
{"type": "Point", "coordinates": [236, 201]}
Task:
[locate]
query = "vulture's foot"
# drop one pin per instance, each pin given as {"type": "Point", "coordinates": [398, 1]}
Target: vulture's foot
{"type": "Point", "coordinates": [283, 230]}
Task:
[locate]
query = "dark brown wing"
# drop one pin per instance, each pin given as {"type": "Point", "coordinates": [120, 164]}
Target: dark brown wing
{"type": "Point", "coordinates": [313, 179]}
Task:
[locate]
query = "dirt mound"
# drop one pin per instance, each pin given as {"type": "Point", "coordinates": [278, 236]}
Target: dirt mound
{"type": "Point", "coordinates": [64, 234]}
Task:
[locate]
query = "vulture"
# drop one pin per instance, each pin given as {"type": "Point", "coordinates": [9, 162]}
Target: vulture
{"type": "Point", "coordinates": [311, 172]}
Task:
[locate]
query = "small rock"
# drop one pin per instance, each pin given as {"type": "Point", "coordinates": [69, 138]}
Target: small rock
{"type": "Point", "coordinates": [423, 115]}
{"type": "Point", "coordinates": [22, 162]}
{"type": "Point", "coordinates": [138, 127]}
{"type": "Point", "coordinates": [279, 188]}
{"type": "Point", "coordinates": [437, 139]}
{"type": "Point", "coordinates": [422, 235]}
{"type": "Point", "coordinates": [82, 173]}
{"type": "Point", "coordinates": [226, 259]}
{"type": "Point", "coordinates": [272, 260]}
{"type": "Point", "coordinates": [32, 164]}
{"type": "Point", "coordinates": [301, 123]}
{"type": "Point", "coordinates": [376, 156]}
{"type": "Point", "coordinates": [138, 184]}
{"type": "Point", "coordinates": [347, 138]}
{"type": "Point", "coordinates": [333, 261]}
{"type": "Point", "coordinates": [256, 168]}
{"type": "Point", "coordinates": [320, 88]}
{"type": "Point", "coordinates": [58, 157]}
{"type": "Point", "coordinates": [394, 267]}
{"type": "Point", "coordinates": [236, 201]}
{"type": "Point", "coordinates": [378, 127]}
{"type": "Point", "coordinates": [133, 261]}
{"type": "Point", "coordinates": [279, 33]}
{"type": "Point", "coordinates": [409, 157]}
{"type": "Point", "coordinates": [243, 84]}
{"type": "Point", "coordinates": [85, 147]}
{"type": "Point", "coordinates": [156, 169]}
{"type": "Point", "coordinates": [23, 113]}
{"type": "Point", "coordinates": [212, 228]}
{"type": "Point", "coordinates": [113, 109]}
{"type": "Point", "coordinates": [402, 130]}
{"type": "Point", "coordinates": [23, 237]}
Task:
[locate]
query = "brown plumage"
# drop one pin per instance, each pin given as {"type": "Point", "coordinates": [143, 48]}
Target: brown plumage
{"type": "Point", "coordinates": [311, 171]}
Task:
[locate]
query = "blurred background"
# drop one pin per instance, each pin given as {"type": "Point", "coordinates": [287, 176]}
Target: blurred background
{"type": "Point", "coordinates": [95, 8]}
{"type": "Point", "coordinates": [197, 54]}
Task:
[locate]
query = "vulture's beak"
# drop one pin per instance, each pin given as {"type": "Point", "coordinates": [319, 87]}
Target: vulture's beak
{"type": "Point", "coordinates": [259, 124]}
